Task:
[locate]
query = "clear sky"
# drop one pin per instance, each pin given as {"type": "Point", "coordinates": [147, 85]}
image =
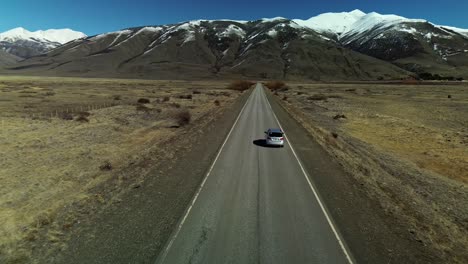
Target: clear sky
{"type": "Point", "coordinates": [98, 16]}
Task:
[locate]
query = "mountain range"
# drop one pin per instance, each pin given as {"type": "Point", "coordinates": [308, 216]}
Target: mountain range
{"type": "Point", "coordinates": [331, 46]}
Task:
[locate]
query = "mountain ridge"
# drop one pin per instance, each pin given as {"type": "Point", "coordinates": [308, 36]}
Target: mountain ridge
{"type": "Point", "coordinates": [269, 47]}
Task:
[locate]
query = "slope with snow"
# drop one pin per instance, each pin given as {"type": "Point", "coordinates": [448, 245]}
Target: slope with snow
{"type": "Point", "coordinates": [61, 36]}
{"type": "Point", "coordinates": [24, 43]}
{"type": "Point", "coordinates": [336, 23]}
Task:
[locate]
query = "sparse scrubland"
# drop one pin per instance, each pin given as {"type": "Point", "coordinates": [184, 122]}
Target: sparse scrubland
{"type": "Point", "coordinates": [405, 145]}
{"type": "Point", "coordinates": [61, 138]}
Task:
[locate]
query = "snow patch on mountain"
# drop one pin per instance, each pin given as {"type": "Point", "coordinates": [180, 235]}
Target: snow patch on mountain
{"type": "Point", "coordinates": [461, 31]}
{"type": "Point", "coordinates": [233, 30]}
{"type": "Point", "coordinates": [374, 20]}
{"type": "Point", "coordinates": [332, 22]}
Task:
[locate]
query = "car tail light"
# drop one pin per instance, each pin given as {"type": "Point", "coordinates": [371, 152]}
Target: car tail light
{"type": "Point", "coordinates": [281, 138]}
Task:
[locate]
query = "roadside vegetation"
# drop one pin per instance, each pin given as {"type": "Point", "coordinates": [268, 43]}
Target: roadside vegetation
{"type": "Point", "coordinates": [240, 85]}
{"type": "Point", "coordinates": [62, 139]}
{"type": "Point", "coordinates": [405, 145]}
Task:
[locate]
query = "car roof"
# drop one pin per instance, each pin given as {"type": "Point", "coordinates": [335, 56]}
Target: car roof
{"type": "Point", "coordinates": [277, 130]}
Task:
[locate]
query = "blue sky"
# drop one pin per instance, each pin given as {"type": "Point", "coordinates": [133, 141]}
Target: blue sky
{"type": "Point", "coordinates": [98, 16]}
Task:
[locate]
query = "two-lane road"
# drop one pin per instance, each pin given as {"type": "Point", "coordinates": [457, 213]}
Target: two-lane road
{"type": "Point", "coordinates": [256, 204]}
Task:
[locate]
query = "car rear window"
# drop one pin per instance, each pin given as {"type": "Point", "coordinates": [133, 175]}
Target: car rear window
{"type": "Point", "coordinates": [276, 134]}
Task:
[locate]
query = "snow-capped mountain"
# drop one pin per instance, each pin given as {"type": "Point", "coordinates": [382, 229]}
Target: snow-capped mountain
{"type": "Point", "coordinates": [414, 44]}
{"type": "Point", "coordinates": [266, 48]}
{"type": "Point", "coordinates": [23, 43]}
{"type": "Point", "coordinates": [331, 45]}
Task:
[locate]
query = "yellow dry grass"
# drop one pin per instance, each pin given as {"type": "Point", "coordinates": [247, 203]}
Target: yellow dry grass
{"type": "Point", "coordinates": [417, 123]}
{"type": "Point", "coordinates": [47, 162]}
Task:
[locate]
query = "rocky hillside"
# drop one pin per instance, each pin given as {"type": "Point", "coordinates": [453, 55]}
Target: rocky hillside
{"type": "Point", "coordinates": [413, 44]}
{"type": "Point", "coordinates": [331, 46]}
{"type": "Point", "coordinates": [7, 58]}
{"type": "Point", "coordinates": [269, 48]}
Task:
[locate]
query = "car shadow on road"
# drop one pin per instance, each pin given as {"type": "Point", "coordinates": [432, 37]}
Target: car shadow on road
{"type": "Point", "coordinates": [262, 143]}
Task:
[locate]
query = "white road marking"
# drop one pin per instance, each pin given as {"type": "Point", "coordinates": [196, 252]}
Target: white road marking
{"type": "Point", "coordinates": [332, 226]}
{"type": "Point", "coordinates": [179, 227]}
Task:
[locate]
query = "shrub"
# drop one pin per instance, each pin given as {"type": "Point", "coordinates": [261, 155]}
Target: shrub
{"type": "Point", "coordinates": [166, 99]}
{"type": "Point", "coordinates": [285, 98]}
{"type": "Point", "coordinates": [339, 117]}
{"type": "Point", "coordinates": [49, 93]}
{"type": "Point", "coordinates": [106, 166]}
{"type": "Point", "coordinates": [449, 96]}
{"type": "Point", "coordinates": [196, 92]}
{"type": "Point", "coordinates": [183, 117]}
{"type": "Point", "coordinates": [187, 96]}
{"type": "Point", "coordinates": [240, 85]}
{"type": "Point", "coordinates": [83, 119]}
{"type": "Point", "coordinates": [217, 103]}
{"type": "Point", "coordinates": [117, 97]}
{"type": "Point", "coordinates": [143, 101]}
{"type": "Point", "coordinates": [276, 86]}
{"type": "Point", "coordinates": [175, 105]}
{"type": "Point", "coordinates": [317, 97]}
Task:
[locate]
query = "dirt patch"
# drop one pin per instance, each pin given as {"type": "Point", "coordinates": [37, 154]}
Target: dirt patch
{"type": "Point", "coordinates": [404, 145]}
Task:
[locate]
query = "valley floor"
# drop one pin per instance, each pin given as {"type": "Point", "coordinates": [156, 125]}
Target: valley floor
{"type": "Point", "coordinates": [63, 139]}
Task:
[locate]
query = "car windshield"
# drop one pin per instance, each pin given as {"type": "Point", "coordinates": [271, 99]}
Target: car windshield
{"type": "Point", "coordinates": [276, 134]}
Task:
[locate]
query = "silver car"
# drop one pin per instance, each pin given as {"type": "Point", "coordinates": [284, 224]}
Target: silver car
{"type": "Point", "coordinates": [274, 137]}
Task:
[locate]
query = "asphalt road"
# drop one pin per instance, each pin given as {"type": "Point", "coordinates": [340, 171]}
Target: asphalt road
{"type": "Point", "coordinates": [256, 204]}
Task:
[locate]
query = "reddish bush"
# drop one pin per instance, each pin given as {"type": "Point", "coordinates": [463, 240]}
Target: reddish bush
{"type": "Point", "coordinates": [240, 85]}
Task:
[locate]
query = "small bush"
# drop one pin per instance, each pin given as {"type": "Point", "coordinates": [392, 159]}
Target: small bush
{"type": "Point", "coordinates": [117, 97]}
{"type": "Point", "coordinates": [166, 99]}
{"type": "Point", "coordinates": [196, 92]}
{"type": "Point", "coordinates": [276, 93]}
{"type": "Point", "coordinates": [49, 93]}
{"type": "Point", "coordinates": [187, 96]}
{"type": "Point", "coordinates": [183, 117]}
{"type": "Point", "coordinates": [300, 93]}
{"type": "Point", "coordinates": [285, 98]}
{"type": "Point", "coordinates": [335, 135]}
{"type": "Point", "coordinates": [143, 101]}
{"type": "Point", "coordinates": [339, 117]}
{"type": "Point", "coordinates": [240, 85]}
{"type": "Point", "coordinates": [217, 103]}
{"type": "Point", "coordinates": [106, 166]}
{"type": "Point", "coordinates": [317, 97]}
{"type": "Point", "coordinates": [175, 105]}
{"type": "Point", "coordinates": [82, 119]}
{"type": "Point", "coordinates": [276, 86]}
{"type": "Point", "coordinates": [449, 96]}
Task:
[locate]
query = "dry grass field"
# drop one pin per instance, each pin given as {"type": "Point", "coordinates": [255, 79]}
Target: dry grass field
{"type": "Point", "coordinates": [407, 146]}
{"type": "Point", "coordinates": [61, 137]}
